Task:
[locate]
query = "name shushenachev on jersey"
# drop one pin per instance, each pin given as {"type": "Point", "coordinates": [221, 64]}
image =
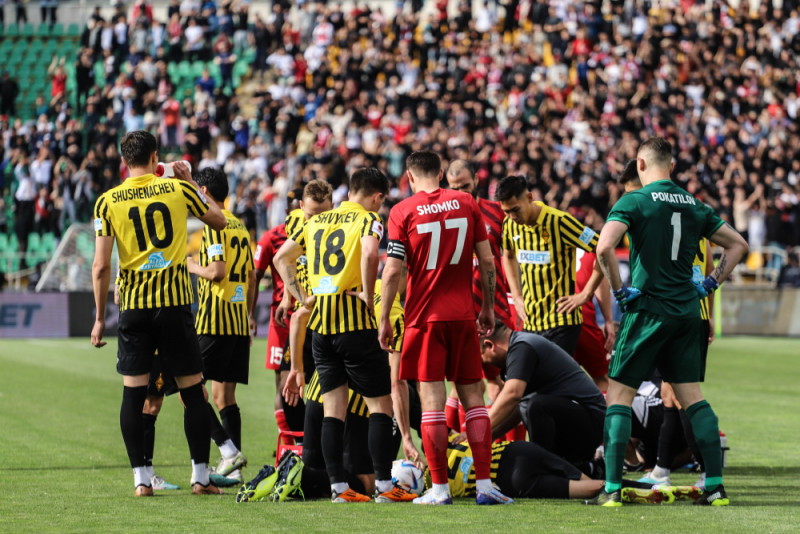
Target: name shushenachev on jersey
{"type": "Point", "coordinates": [142, 193]}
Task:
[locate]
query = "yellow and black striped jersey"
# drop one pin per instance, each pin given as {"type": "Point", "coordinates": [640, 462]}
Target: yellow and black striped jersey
{"type": "Point", "coordinates": [332, 243]}
{"type": "Point", "coordinates": [546, 255]}
{"type": "Point", "coordinates": [460, 468]}
{"type": "Point", "coordinates": [223, 305]}
{"type": "Point", "coordinates": [356, 404]}
{"type": "Point", "coordinates": [699, 273]}
{"type": "Point", "coordinates": [294, 222]}
{"type": "Point", "coordinates": [147, 217]}
{"type": "Point", "coordinates": [396, 316]}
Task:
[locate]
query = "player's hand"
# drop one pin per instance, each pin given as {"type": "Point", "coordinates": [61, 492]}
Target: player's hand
{"type": "Point", "coordinates": [191, 265]}
{"type": "Point", "coordinates": [411, 453]}
{"type": "Point", "coordinates": [294, 387]}
{"type": "Point", "coordinates": [706, 287]}
{"type": "Point", "coordinates": [367, 299]}
{"type": "Point", "coordinates": [486, 322]}
{"type": "Point", "coordinates": [519, 306]}
{"type": "Point", "coordinates": [97, 333]}
{"type": "Point", "coordinates": [459, 438]}
{"type": "Point", "coordinates": [182, 171]}
{"type": "Point", "coordinates": [253, 328]}
{"type": "Point", "coordinates": [571, 303]}
{"type": "Point", "coordinates": [711, 333]}
{"type": "Point", "coordinates": [385, 334]}
{"type": "Point", "coordinates": [282, 311]}
{"type": "Point", "coordinates": [309, 303]}
{"type": "Point", "coordinates": [611, 336]}
{"type": "Point", "coordinates": [626, 295]}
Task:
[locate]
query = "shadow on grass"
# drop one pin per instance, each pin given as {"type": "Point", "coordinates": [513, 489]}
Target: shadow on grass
{"type": "Point", "coordinates": [78, 468]}
{"type": "Point", "coordinates": [743, 470]}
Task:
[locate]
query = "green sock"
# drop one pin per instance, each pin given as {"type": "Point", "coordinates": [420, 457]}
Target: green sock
{"type": "Point", "coordinates": [705, 427]}
{"type": "Point", "coordinates": [616, 433]}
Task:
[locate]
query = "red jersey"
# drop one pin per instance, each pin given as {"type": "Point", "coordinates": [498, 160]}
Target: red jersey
{"type": "Point", "coordinates": [493, 221]}
{"type": "Point", "coordinates": [267, 247]}
{"type": "Point", "coordinates": [584, 266]}
{"type": "Point", "coordinates": [436, 234]}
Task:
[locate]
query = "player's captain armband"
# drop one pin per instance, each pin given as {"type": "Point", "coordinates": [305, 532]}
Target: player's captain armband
{"type": "Point", "coordinates": [377, 228]}
{"type": "Point", "coordinates": [396, 250]}
{"type": "Point", "coordinates": [535, 257]}
{"type": "Point", "coordinates": [98, 225]}
{"type": "Point", "coordinates": [215, 250]}
{"type": "Point", "coordinates": [587, 235]}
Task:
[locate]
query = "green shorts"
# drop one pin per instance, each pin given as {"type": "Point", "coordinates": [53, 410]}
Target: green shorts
{"type": "Point", "coordinates": [647, 341]}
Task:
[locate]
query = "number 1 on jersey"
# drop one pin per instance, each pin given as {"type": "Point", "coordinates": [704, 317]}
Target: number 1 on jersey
{"type": "Point", "coordinates": [676, 234]}
{"type": "Point", "coordinates": [435, 229]}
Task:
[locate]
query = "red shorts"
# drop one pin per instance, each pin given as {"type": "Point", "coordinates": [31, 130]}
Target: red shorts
{"type": "Point", "coordinates": [590, 352]}
{"type": "Point", "coordinates": [277, 338]}
{"type": "Point", "coordinates": [436, 351]}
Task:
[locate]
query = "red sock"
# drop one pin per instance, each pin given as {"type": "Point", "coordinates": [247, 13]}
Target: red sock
{"type": "Point", "coordinates": [434, 442]}
{"type": "Point", "coordinates": [479, 436]}
{"type": "Point", "coordinates": [283, 426]}
{"type": "Point", "coordinates": [461, 417]}
{"type": "Point", "coordinates": [451, 412]}
{"type": "Point", "coordinates": [516, 434]}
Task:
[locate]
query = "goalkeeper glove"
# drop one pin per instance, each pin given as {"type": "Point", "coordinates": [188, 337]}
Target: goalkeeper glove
{"type": "Point", "coordinates": [625, 295]}
{"type": "Point", "coordinates": [706, 287]}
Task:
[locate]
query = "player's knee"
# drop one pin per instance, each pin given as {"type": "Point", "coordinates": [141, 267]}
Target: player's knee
{"type": "Point", "coordinates": [152, 405]}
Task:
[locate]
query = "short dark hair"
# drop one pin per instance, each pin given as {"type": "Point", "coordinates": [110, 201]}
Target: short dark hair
{"type": "Point", "coordinates": [661, 150]}
{"type": "Point", "coordinates": [294, 194]}
{"type": "Point", "coordinates": [425, 163]}
{"type": "Point", "coordinates": [511, 187]}
{"type": "Point", "coordinates": [458, 165]}
{"type": "Point", "coordinates": [215, 180]}
{"type": "Point", "coordinates": [318, 190]}
{"type": "Point", "coordinates": [369, 180]}
{"type": "Point", "coordinates": [499, 330]}
{"type": "Point", "coordinates": [630, 173]}
{"type": "Point", "coordinates": [136, 148]}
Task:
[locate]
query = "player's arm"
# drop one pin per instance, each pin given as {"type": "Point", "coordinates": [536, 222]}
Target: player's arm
{"type": "Point", "coordinates": [709, 268]}
{"type": "Point", "coordinates": [610, 236]}
{"type": "Point", "coordinates": [252, 292]}
{"type": "Point", "coordinates": [400, 404]}
{"type": "Point", "coordinates": [101, 278]}
{"type": "Point", "coordinates": [511, 268]}
{"type": "Point", "coordinates": [504, 413]}
{"type": "Point", "coordinates": [214, 271]}
{"type": "Point", "coordinates": [286, 262]}
{"type": "Point", "coordinates": [369, 270]}
{"type": "Point", "coordinates": [296, 381]}
{"type": "Point", "coordinates": [483, 251]}
{"type": "Point", "coordinates": [734, 247]}
{"type": "Point", "coordinates": [568, 304]}
{"type": "Point", "coordinates": [390, 281]}
{"type": "Point", "coordinates": [603, 294]}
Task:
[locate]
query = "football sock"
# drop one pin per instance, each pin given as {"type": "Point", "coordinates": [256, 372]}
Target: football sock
{"type": "Point", "coordinates": [441, 490]}
{"type": "Point", "coordinates": [140, 477]}
{"type": "Point", "coordinates": [451, 413]}
{"type": "Point", "coordinates": [666, 441]}
{"type": "Point", "coordinates": [434, 443]}
{"type": "Point", "coordinates": [218, 433]}
{"type": "Point", "coordinates": [149, 422]}
{"type": "Point", "coordinates": [150, 471]}
{"type": "Point", "coordinates": [616, 433]}
{"type": "Point", "coordinates": [232, 423]}
{"type": "Point", "coordinates": [283, 426]}
{"type": "Point", "coordinates": [689, 435]}
{"type": "Point", "coordinates": [228, 449]}
{"type": "Point", "coordinates": [196, 424]}
{"type": "Point", "coordinates": [131, 423]}
{"type": "Point", "coordinates": [332, 450]}
{"type": "Point", "coordinates": [295, 415]}
{"type": "Point", "coordinates": [200, 473]}
{"type": "Point", "coordinates": [379, 440]}
{"type": "Point", "coordinates": [484, 485]}
{"type": "Point", "coordinates": [462, 418]}
{"type": "Point", "coordinates": [339, 487]}
{"type": "Point", "coordinates": [479, 436]}
{"type": "Point", "coordinates": [314, 482]}
{"type": "Point", "coordinates": [705, 427]}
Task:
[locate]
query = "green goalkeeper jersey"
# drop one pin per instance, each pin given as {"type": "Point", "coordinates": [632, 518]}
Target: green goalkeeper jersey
{"type": "Point", "coordinates": [665, 223]}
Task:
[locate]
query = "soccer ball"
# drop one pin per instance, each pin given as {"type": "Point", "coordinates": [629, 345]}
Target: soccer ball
{"type": "Point", "coordinates": [408, 476]}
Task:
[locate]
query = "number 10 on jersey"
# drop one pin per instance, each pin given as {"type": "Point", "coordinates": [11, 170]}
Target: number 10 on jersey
{"type": "Point", "coordinates": [435, 229]}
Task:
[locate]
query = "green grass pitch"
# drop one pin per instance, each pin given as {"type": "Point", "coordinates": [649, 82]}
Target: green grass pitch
{"type": "Point", "coordinates": [63, 466]}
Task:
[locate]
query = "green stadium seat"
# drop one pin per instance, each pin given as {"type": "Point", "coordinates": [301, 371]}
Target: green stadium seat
{"type": "Point", "coordinates": [12, 30]}
{"type": "Point", "coordinates": [49, 243]}
{"type": "Point", "coordinates": [34, 241]}
{"type": "Point", "coordinates": [73, 30]}
{"type": "Point", "coordinates": [43, 30]}
{"type": "Point", "coordinates": [3, 243]}
{"type": "Point", "coordinates": [57, 30]}
{"type": "Point", "coordinates": [27, 30]}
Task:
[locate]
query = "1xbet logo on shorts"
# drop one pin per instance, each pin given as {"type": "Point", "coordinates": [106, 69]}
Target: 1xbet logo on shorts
{"type": "Point", "coordinates": [535, 257]}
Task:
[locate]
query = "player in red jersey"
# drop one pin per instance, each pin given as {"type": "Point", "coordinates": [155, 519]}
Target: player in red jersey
{"type": "Point", "coordinates": [594, 344]}
{"type": "Point", "coordinates": [302, 204]}
{"type": "Point", "coordinates": [430, 232]}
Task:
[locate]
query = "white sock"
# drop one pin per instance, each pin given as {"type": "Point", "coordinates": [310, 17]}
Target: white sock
{"type": "Point", "coordinates": [659, 472]}
{"type": "Point", "coordinates": [441, 490]}
{"type": "Point", "coordinates": [228, 449]}
{"type": "Point", "coordinates": [340, 487]}
{"type": "Point", "coordinates": [383, 485]}
{"type": "Point", "coordinates": [140, 477]}
{"type": "Point", "coordinates": [200, 473]}
{"type": "Point", "coordinates": [150, 471]}
{"type": "Point", "coordinates": [484, 485]}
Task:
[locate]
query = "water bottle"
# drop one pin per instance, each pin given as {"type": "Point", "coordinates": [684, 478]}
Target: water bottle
{"type": "Point", "coordinates": [165, 170]}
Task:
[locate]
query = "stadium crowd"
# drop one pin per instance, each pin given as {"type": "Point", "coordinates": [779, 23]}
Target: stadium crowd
{"type": "Point", "coordinates": [560, 92]}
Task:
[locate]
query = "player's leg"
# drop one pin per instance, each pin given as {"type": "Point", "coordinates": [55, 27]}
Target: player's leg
{"type": "Point", "coordinates": [277, 349]}
{"type": "Point", "coordinates": [527, 470]}
{"type": "Point", "coordinates": [152, 407]}
{"type": "Point", "coordinates": [451, 409]}
{"type": "Point", "coordinates": [666, 438]}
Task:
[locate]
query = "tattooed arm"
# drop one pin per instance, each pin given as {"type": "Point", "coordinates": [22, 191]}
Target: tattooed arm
{"type": "Point", "coordinates": [488, 283]}
{"type": "Point", "coordinates": [286, 262]}
{"type": "Point", "coordinates": [734, 248]}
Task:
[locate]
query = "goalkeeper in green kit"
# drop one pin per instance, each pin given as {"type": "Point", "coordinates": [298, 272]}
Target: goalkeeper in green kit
{"type": "Point", "coordinates": [661, 327]}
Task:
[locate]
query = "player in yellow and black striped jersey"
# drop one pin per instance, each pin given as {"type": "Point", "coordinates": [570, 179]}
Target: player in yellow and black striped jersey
{"type": "Point", "coordinates": [520, 469]}
{"type": "Point", "coordinates": [227, 293]}
{"type": "Point", "coordinates": [539, 245]}
{"type": "Point", "coordinates": [341, 248]}
{"type": "Point", "coordinates": [146, 217]}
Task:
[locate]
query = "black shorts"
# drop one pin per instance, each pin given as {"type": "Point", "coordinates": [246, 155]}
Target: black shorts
{"type": "Point", "coordinates": [170, 331]}
{"type": "Point", "coordinates": [160, 384]}
{"type": "Point", "coordinates": [565, 337]}
{"type": "Point", "coordinates": [308, 356]}
{"type": "Point", "coordinates": [225, 358]}
{"type": "Point", "coordinates": [352, 358]}
{"type": "Point", "coordinates": [528, 471]}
